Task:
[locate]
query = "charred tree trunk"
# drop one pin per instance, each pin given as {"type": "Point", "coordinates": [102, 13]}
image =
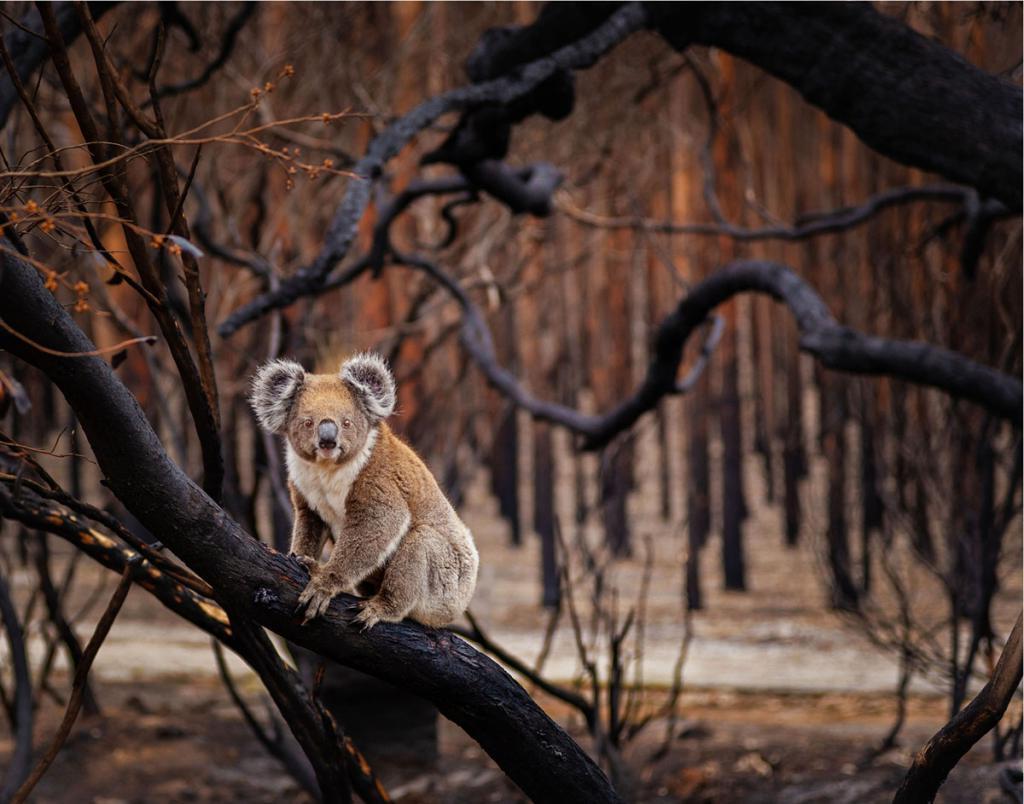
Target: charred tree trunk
{"type": "Point", "coordinates": [733, 503]}
{"type": "Point", "coordinates": [616, 474]}
{"type": "Point", "coordinates": [845, 595]}
{"type": "Point", "coordinates": [764, 391]}
{"type": "Point", "coordinates": [698, 504]}
{"type": "Point", "coordinates": [544, 513]}
{"type": "Point", "coordinates": [870, 495]}
{"type": "Point", "coordinates": [505, 471]}
{"type": "Point", "coordinates": [794, 457]}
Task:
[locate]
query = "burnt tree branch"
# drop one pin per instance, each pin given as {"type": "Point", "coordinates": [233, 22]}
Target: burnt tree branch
{"type": "Point", "coordinates": [466, 686]}
{"type": "Point", "coordinates": [505, 89]}
{"type": "Point", "coordinates": [942, 752]}
{"type": "Point", "coordinates": [836, 346]}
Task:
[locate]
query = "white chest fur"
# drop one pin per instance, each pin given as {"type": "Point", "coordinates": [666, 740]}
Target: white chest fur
{"type": "Point", "coordinates": [326, 486]}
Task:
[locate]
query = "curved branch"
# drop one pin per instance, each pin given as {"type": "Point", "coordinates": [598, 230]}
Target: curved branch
{"type": "Point", "coordinates": [812, 225]}
{"type": "Point", "coordinates": [227, 46]}
{"type": "Point", "coordinates": [908, 97]}
{"type": "Point", "coordinates": [466, 686]}
{"type": "Point", "coordinates": [837, 347]}
{"type": "Point", "coordinates": [942, 752]}
{"type": "Point", "coordinates": [577, 55]}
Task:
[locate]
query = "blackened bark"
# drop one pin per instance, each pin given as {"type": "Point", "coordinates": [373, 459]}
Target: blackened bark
{"type": "Point", "coordinates": [764, 392]}
{"type": "Point", "coordinates": [940, 755]}
{"type": "Point", "coordinates": [870, 494]}
{"type": "Point", "coordinates": [844, 591]}
{"type": "Point", "coordinates": [664, 473]}
{"type": "Point", "coordinates": [698, 490]}
{"type": "Point", "coordinates": [21, 757]}
{"type": "Point", "coordinates": [908, 97]}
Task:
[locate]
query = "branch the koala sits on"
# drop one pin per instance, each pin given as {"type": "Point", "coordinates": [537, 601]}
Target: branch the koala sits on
{"type": "Point", "coordinates": [397, 539]}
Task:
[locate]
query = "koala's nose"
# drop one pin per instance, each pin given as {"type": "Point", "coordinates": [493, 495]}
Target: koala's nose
{"type": "Point", "coordinates": [327, 434]}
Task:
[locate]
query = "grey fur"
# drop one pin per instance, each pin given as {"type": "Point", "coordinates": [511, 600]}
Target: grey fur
{"type": "Point", "coordinates": [274, 388]}
{"type": "Point", "coordinates": [368, 375]}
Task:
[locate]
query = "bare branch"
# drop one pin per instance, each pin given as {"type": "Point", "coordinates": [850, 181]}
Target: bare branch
{"type": "Point", "coordinates": [812, 225]}
{"type": "Point", "coordinates": [940, 754]}
{"type": "Point", "coordinates": [467, 687]}
{"type": "Point", "coordinates": [577, 55]}
{"type": "Point", "coordinates": [837, 347]}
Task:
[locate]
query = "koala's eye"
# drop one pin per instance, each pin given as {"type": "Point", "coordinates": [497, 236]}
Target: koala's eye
{"type": "Point", "coordinates": [307, 423]}
{"type": "Point", "coordinates": [346, 423]}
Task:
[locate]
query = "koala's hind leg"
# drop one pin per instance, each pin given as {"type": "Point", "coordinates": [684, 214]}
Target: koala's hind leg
{"type": "Point", "coordinates": [404, 583]}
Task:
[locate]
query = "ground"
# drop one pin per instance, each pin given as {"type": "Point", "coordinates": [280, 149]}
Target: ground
{"type": "Point", "coordinates": [185, 742]}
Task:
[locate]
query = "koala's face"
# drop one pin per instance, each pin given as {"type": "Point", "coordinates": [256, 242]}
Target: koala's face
{"type": "Point", "coordinates": [326, 422]}
{"type": "Point", "coordinates": [326, 417]}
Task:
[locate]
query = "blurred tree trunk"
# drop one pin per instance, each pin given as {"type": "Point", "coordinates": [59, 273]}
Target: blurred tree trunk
{"type": "Point", "coordinates": [611, 369]}
{"type": "Point", "coordinates": [504, 457]}
{"type": "Point", "coordinates": [734, 505]}
{"type": "Point", "coordinates": [794, 456]}
{"type": "Point", "coordinates": [733, 502]}
{"type": "Point", "coordinates": [762, 354]}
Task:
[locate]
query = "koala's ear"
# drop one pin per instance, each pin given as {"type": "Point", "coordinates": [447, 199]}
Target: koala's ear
{"type": "Point", "coordinates": [370, 378]}
{"type": "Point", "coordinates": [274, 388]}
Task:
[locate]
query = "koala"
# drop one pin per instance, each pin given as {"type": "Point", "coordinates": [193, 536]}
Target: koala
{"type": "Point", "coordinates": [397, 539]}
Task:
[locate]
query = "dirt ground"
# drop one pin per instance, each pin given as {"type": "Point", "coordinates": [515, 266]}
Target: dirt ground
{"type": "Point", "coordinates": [185, 742]}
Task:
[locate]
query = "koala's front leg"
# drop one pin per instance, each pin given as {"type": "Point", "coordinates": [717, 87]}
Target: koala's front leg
{"type": "Point", "coordinates": [373, 529]}
{"type": "Point", "coordinates": [309, 531]}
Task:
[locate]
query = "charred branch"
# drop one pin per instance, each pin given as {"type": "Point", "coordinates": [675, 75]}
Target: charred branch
{"type": "Point", "coordinates": [468, 688]}
{"type": "Point", "coordinates": [837, 347]}
{"type": "Point", "coordinates": [906, 96]}
{"type": "Point", "coordinates": [503, 90]}
{"type": "Point", "coordinates": [941, 753]}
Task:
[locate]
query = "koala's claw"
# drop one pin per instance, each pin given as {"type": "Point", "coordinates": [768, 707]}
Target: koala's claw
{"type": "Point", "coordinates": [317, 595]}
{"type": "Point", "coordinates": [367, 616]}
{"type": "Point", "coordinates": [306, 561]}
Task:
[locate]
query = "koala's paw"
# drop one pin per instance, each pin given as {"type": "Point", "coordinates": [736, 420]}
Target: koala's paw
{"type": "Point", "coordinates": [319, 592]}
{"type": "Point", "coordinates": [310, 564]}
{"type": "Point", "coordinates": [370, 613]}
